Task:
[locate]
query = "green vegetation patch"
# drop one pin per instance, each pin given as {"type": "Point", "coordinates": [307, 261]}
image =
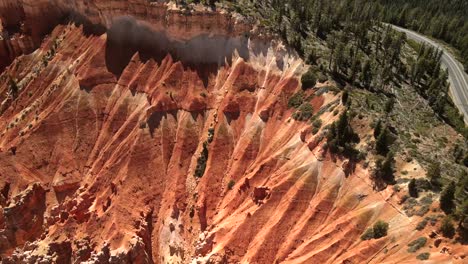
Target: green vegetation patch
{"type": "Point", "coordinates": [378, 230]}
{"type": "Point", "coordinates": [201, 161]}
{"type": "Point", "coordinates": [415, 245]}
{"type": "Point", "coordinates": [296, 100]}
{"type": "Point", "coordinates": [423, 256]}
{"type": "Point", "coordinates": [308, 80]}
{"type": "Point", "coordinates": [304, 112]}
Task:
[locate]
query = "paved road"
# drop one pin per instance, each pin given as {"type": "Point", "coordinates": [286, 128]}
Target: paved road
{"type": "Point", "coordinates": [457, 77]}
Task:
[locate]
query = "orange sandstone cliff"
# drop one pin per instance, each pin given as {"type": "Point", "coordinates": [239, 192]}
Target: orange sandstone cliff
{"type": "Point", "coordinates": [105, 126]}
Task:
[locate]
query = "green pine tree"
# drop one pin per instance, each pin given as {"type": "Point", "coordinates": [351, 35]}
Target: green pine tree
{"type": "Point", "coordinates": [412, 189]}
{"type": "Point", "coordinates": [434, 174]}
{"type": "Point", "coordinates": [447, 197]}
{"type": "Point", "coordinates": [382, 142]}
{"type": "Point", "coordinates": [447, 228]}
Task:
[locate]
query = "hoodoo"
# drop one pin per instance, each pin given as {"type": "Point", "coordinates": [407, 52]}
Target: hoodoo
{"type": "Point", "coordinates": [148, 132]}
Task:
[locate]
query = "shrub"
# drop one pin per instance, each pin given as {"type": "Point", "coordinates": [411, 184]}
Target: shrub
{"type": "Point", "coordinates": [384, 169]}
{"type": "Point", "coordinates": [308, 80]}
{"type": "Point", "coordinates": [345, 97]}
{"type": "Point", "coordinates": [231, 184]}
{"type": "Point", "coordinates": [433, 173]}
{"type": "Point", "coordinates": [379, 230]}
{"type": "Point", "coordinates": [304, 112]}
{"type": "Point", "coordinates": [447, 228]}
{"type": "Point", "coordinates": [315, 130]}
{"type": "Point", "coordinates": [192, 212]}
{"type": "Point", "coordinates": [412, 189]}
{"type": "Point", "coordinates": [201, 162]}
{"type": "Point", "coordinates": [317, 123]}
{"type": "Point", "coordinates": [404, 199]}
{"type": "Point", "coordinates": [382, 142]}
{"type": "Point", "coordinates": [423, 256]}
{"type": "Point", "coordinates": [312, 57]}
{"type": "Point", "coordinates": [461, 192]}
{"type": "Point", "coordinates": [432, 219]}
{"type": "Point", "coordinates": [210, 134]}
{"type": "Point", "coordinates": [322, 78]}
{"type": "Point", "coordinates": [426, 200]}
{"type": "Point", "coordinates": [422, 184]}
{"type": "Point", "coordinates": [446, 198]}
{"type": "Point", "coordinates": [461, 196]}
{"type": "Point", "coordinates": [341, 137]}
{"type": "Point", "coordinates": [462, 213]}
{"type": "Point", "coordinates": [415, 245]}
{"type": "Point", "coordinates": [389, 105]}
{"type": "Point", "coordinates": [13, 87]}
{"type": "Point", "coordinates": [296, 100]}
{"type": "Point", "coordinates": [377, 129]}
{"type": "Point", "coordinates": [422, 210]}
{"type": "Point", "coordinates": [369, 234]}
{"type": "Point", "coordinates": [421, 225]}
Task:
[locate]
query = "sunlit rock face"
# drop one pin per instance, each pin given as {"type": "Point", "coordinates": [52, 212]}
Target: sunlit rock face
{"type": "Point", "coordinates": [143, 134]}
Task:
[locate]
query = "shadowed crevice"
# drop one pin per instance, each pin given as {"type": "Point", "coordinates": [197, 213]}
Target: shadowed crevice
{"type": "Point", "coordinates": [204, 53]}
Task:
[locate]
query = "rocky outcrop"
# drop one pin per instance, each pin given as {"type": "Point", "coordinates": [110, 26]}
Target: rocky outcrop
{"type": "Point", "coordinates": [22, 220]}
{"type": "Point", "coordinates": [55, 252]}
{"type": "Point", "coordinates": [260, 194]}
{"type": "Point", "coordinates": [12, 47]}
{"type": "Point", "coordinates": [13, 43]}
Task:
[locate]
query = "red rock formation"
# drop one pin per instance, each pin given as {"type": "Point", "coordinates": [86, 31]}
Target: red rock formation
{"type": "Point", "coordinates": [12, 44]}
{"type": "Point", "coordinates": [22, 220]}
{"type": "Point", "coordinates": [259, 194]}
{"type": "Point", "coordinates": [103, 167]}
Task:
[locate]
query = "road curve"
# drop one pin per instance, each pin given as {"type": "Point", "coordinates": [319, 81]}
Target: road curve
{"type": "Point", "coordinates": [457, 77]}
